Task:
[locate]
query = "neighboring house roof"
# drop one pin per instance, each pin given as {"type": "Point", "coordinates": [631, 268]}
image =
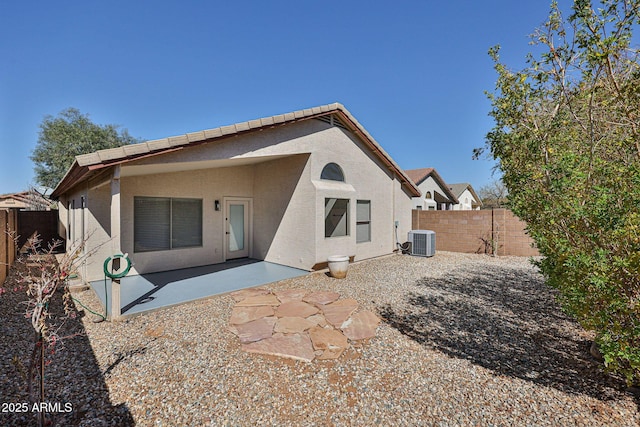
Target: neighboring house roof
{"type": "Point", "coordinates": [24, 199]}
{"type": "Point", "coordinates": [88, 165]}
{"type": "Point", "coordinates": [419, 175]}
{"type": "Point", "coordinates": [458, 189]}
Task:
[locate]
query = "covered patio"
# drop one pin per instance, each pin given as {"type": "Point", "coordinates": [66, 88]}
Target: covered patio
{"type": "Point", "coordinates": [153, 291]}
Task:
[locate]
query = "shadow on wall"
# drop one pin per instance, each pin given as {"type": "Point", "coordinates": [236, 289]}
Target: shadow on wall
{"type": "Point", "coordinates": [507, 321]}
{"type": "Point", "coordinates": [72, 375]}
{"type": "Point", "coordinates": [274, 186]}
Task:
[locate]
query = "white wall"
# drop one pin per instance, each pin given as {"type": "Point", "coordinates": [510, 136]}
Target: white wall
{"type": "Point", "coordinates": [429, 185]}
{"type": "Point", "coordinates": [466, 200]}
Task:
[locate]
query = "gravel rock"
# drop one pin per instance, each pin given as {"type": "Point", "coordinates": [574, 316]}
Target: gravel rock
{"type": "Point", "coordinates": [464, 340]}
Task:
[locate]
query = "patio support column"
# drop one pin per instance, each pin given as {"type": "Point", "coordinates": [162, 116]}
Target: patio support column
{"type": "Point", "coordinates": [114, 305]}
{"type": "Point", "coordinates": [115, 211]}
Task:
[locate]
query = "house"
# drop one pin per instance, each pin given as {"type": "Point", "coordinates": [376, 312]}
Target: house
{"type": "Point", "coordinates": [467, 197]}
{"type": "Point", "coordinates": [435, 193]}
{"type": "Point", "coordinates": [291, 189]}
{"type": "Point", "coordinates": [25, 200]}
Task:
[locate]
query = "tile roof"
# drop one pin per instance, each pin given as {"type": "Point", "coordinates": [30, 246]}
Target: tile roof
{"type": "Point", "coordinates": [31, 199]}
{"type": "Point", "coordinates": [419, 175]}
{"type": "Point", "coordinates": [459, 188]}
{"type": "Point", "coordinates": [85, 164]}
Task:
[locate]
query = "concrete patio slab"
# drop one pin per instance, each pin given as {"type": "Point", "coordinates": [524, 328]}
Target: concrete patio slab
{"type": "Point", "coordinates": [147, 292]}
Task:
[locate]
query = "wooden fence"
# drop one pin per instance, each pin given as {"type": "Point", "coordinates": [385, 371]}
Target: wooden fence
{"type": "Point", "coordinates": [496, 231]}
{"type": "Point", "coordinates": [8, 251]}
{"type": "Point", "coordinates": [17, 226]}
{"type": "Point", "coordinates": [45, 223]}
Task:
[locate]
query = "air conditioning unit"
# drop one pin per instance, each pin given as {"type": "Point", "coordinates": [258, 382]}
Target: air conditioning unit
{"type": "Point", "coordinates": [423, 242]}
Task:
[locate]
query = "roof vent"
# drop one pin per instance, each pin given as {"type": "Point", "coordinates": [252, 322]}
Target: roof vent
{"type": "Point", "coordinates": [333, 121]}
{"type": "Point", "coordinates": [326, 119]}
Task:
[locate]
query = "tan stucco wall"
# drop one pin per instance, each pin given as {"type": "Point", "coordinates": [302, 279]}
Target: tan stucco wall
{"type": "Point", "coordinates": [99, 230]}
{"type": "Point", "coordinates": [284, 212]}
{"type": "Point", "coordinates": [71, 217]}
{"type": "Point", "coordinates": [12, 204]}
{"type": "Point", "coordinates": [208, 185]}
{"type": "Point", "coordinates": [368, 181]}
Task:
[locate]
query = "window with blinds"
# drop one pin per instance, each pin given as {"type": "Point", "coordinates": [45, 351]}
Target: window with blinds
{"type": "Point", "coordinates": [163, 223]}
{"type": "Point", "coordinates": [363, 221]}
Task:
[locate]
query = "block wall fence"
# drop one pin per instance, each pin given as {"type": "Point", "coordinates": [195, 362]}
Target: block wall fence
{"type": "Point", "coordinates": [484, 231]}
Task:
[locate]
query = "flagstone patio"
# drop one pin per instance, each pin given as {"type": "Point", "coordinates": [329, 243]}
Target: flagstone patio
{"type": "Point", "coordinates": [299, 324]}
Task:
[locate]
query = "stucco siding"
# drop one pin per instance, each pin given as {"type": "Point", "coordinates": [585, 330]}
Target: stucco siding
{"type": "Point", "coordinates": [76, 226]}
{"type": "Point", "coordinates": [365, 179]}
{"type": "Point", "coordinates": [98, 211]}
{"type": "Point", "coordinates": [62, 219]}
{"type": "Point", "coordinates": [296, 138]}
{"type": "Point", "coordinates": [304, 216]}
{"type": "Point", "coordinates": [402, 213]}
{"type": "Point", "coordinates": [283, 211]}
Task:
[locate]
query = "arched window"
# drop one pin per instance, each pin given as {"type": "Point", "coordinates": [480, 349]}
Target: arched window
{"type": "Point", "coordinates": [332, 172]}
{"type": "Point", "coordinates": [427, 195]}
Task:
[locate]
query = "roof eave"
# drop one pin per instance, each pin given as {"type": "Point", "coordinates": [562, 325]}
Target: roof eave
{"type": "Point", "coordinates": [378, 150]}
{"type": "Point", "coordinates": [86, 163]}
{"type": "Point", "coordinates": [74, 175]}
{"type": "Point", "coordinates": [444, 186]}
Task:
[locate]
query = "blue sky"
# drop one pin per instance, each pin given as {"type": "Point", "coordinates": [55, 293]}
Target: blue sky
{"type": "Point", "coordinates": [412, 72]}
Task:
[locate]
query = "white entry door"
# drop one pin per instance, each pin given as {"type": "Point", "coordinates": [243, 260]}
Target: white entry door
{"type": "Point", "coordinates": [238, 233]}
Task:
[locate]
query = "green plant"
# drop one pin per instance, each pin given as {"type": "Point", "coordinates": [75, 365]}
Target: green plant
{"type": "Point", "coordinates": [66, 136]}
{"type": "Point", "coordinates": [567, 140]}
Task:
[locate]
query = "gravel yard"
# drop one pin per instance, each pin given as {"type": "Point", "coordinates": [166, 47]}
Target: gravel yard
{"type": "Point", "coordinates": [464, 340]}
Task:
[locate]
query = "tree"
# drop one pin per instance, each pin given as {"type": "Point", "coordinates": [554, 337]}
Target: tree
{"type": "Point", "coordinates": [567, 138]}
{"type": "Point", "coordinates": [44, 279]}
{"type": "Point", "coordinates": [493, 195]}
{"type": "Point", "coordinates": [69, 134]}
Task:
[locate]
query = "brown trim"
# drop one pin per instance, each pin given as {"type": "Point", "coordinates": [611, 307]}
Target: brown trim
{"type": "Point", "coordinates": [127, 159]}
{"type": "Point", "coordinates": [74, 176]}
{"type": "Point", "coordinates": [404, 179]}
